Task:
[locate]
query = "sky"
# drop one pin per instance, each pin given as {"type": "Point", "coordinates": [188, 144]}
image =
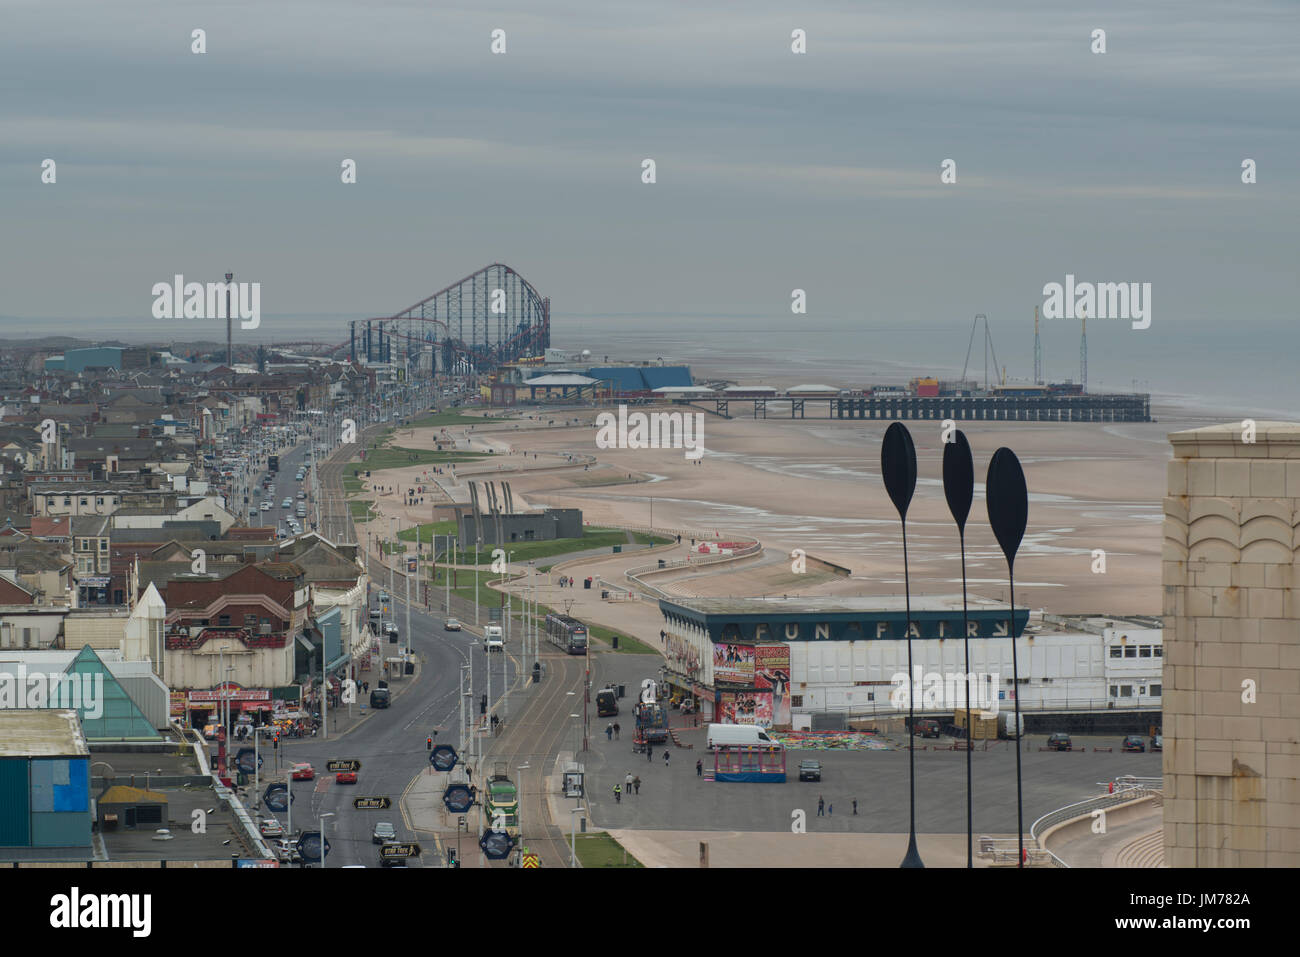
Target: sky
{"type": "Point", "coordinates": [774, 170]}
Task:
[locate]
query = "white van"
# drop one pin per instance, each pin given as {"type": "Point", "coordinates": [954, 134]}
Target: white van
{"type": "Point", "coordinates": [740, 735]}
{"type": "Point", "coordinates": [493, 639]}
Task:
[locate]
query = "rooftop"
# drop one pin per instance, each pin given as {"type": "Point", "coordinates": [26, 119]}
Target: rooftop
{"type": "Point", "coordinates": [40, 732]}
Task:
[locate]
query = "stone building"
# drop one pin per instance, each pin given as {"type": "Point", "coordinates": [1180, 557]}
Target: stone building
{"type": "Point", "coordinates": [1232, 648]}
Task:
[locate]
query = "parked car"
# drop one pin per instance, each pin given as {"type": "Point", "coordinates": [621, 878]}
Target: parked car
{"type": "Point", "coordinates": [303, 772]}
{"type": "Point", "coordinates": [1133, 743]}
{"type": "Point", "coordinates": [1059, 742]}
{"type": "Point", "coordinates": [810, 770]}
{"type": "Point", "coordinates": [451, 624]}
{"type": "Point", "coordinates": [266, 506]}
{"type": "Point", "coordinates": [1158, 742]}
{"type": "Point", "coordinates": [384, 831]}
{"type": "Point", "coordinates": [927, 728]}
{"type": "Point", "coordinates": [346, 777]}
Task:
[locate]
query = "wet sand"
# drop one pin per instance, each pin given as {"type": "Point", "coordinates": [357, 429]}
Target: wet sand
{"type": "Point", "coordinates": [814, 484]}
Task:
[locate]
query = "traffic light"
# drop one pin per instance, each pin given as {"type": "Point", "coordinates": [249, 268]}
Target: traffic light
{"type": "Point", "coordinates": [428, 743]}
{"type": "Point", "coordinates": [482, 703]}
{"type": "Point", "coordinates": [275, 742]}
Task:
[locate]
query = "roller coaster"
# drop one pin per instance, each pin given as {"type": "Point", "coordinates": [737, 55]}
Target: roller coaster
{"type": "Point", "coordinates": [488, 318]}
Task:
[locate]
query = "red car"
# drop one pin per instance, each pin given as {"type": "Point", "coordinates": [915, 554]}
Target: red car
{"type": "Point", "coordinates": [303, 772]}
{"type": "Point", "coordinates": [346, 777]}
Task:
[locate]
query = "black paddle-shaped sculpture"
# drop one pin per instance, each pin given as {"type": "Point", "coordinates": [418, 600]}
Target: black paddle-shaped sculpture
{"type": "Point", "coordinates": [898, 469]}
{"type": "Point", "coordinates": [1008, 502]}
{"type": "Point", "coordinates": [959, 489]}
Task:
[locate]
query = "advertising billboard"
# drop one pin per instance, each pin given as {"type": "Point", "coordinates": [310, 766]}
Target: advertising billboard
{"type": "Point", "coordinates": [733, 664]}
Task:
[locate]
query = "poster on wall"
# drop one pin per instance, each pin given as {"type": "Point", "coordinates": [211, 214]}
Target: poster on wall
{"type": "Point", "coordinates": [733, 664]}
{"type": "Point", "coordinates": [745, 707]}
{"type": "Point", "coordinates": [772, 674]}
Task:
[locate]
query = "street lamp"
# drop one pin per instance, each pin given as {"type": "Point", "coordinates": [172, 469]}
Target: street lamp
{"type": "Point", "coordinates": [573, 835]}
{"type": "Point", "coordinates": [575, 734]}
{"type": "Point", "coordinates": [321, 828]}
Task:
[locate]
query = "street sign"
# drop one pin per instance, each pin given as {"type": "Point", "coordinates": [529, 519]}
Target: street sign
{"type": "Point", "coordinates": [372, 803]}
{"type": "Point", "coordinates": [394, 849]}
{"type": "Point", "coordinates": [458, 798]}
{"type": "Point", "coordinates": [496, 845]}
{"type": "Point", "coordinates": [410, 564]}
{"type": "Point", "coordinates": [443, 757]}
{"type": "Point", "coordinates": [532, 860]}
{"type": "Point", "coordinates": [276, 797]}
{"type": "Point", "coordinates": [309, 846]}
{"type": "Point", "coordinates": [244, 760]}
{"type": "Point", "coordinates": [350, 764]}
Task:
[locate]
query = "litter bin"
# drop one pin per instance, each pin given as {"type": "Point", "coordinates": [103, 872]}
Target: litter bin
{"type": "Point", "coordinates": [537, 672]}
{"type": "Point", "coordinates": [410, 667]}
{"type": "Point", "coordinates": [662, 563]}
{"type": "Point", "coordinates": [586, 583]}
{"type": "Point", "coordinates": [604, 594]}
{"type": "Point", "coordinates": [614, 639]}
{"type": "Point", "coordinates": [621, 691]}
{"type": "Point", "coordinates": [617, 549]}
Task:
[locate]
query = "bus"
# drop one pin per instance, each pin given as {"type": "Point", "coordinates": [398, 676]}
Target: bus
{"type": "Point", "coordinates": [273, 463]}
{"type": "Point", "coordinates": [567, 633]}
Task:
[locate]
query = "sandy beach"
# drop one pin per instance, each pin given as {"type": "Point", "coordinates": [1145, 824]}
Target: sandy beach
{"type": "Point", "coordinates": [814, 484]}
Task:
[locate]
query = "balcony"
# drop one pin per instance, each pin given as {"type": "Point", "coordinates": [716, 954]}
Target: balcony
{"type": "Point", "coordinates": [178, 640]}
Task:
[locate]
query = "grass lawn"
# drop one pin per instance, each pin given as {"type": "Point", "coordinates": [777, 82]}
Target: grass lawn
{"type": "Point", "coordinates": [592, 537]}
{"type": "Point", "coordinates": [427, 530]}
{"type": "Point", "coordinates": [395, 456]}
{"type": "Point", "coordinates": [448, 418]}
{"type": "Point", "coordinates": [351, 486]}
{"type": "Point", "coordinates": [601, 850]}
{"type": "Point", "coordinates": [626, 643]}
{"type": "Point", "coordinates": [360, 508]}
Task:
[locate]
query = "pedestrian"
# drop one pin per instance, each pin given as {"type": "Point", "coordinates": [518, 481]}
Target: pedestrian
{"type": "Point", "coordinates": [665, 757]}
{"type": "Point", "coordinates": [821, 807]}
{"type": "Point", "coordinates": [855, 805]}
{"type": "Point", "coordinates": [649, 751]}
{"type": "Point", "coordinates": [636, 784]}
{"type": "Point", "coordinates": [628, 780]}
{"type": "Point", "coordinates": [609, 732]}
{"type": "Point", "coordinates": [616, 730]}
{"type": "Point", "coordinates": [618, 794]}
{"type": "Point", "coordinates": [699, 769]}
{"type": "Point", "coordinates": [830, 810]}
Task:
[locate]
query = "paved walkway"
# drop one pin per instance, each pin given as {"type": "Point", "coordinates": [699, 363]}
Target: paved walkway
{"type": "Point", "coordinates": [748, 849]}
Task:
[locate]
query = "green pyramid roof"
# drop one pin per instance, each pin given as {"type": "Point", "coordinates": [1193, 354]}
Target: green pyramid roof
{"type": "Point", "coordinates": [119, 717]}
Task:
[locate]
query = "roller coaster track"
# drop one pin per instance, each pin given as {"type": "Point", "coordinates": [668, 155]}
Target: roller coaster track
{"type": "Point", "coordinates": [482, 320]}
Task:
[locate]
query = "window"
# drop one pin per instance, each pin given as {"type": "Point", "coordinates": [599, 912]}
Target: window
{"type": "Point", "coordinates": [1126, 691]}
{"type": "Point", "coordinates": [796, 701]}
{"type": "Point", "coordinates": [1117, 651]}
{"type": "Point", "coordinates": [1131, 651]}
{"type": "Point", "coordinates": [1144, 651]}
{"type": "Point", "coordinates": [223, 621]}
{"type": "Point", "coordinates": [1158, 651]}
{"type": "Point", "coordinates": [250, 621]}
{"type": "Point", "coordinates": [103, 544]}
{"type": "Point", "coordinates": [1114, 691]}
{"type": "Point", "coordinates": [1154, 691]}
{"type": "Point", "coordinates": [67, 500]}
